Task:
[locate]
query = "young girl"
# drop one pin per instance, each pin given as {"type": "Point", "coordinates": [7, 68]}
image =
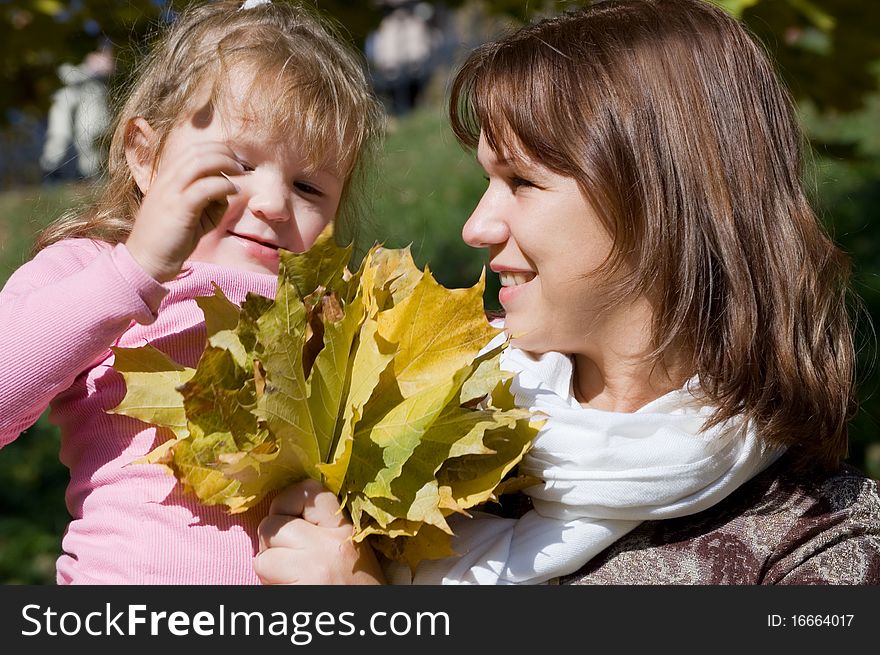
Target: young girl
{"type": "Point", "coordinates": [676, 309]}
{"type": "Point", "coordinates": [243, 133]}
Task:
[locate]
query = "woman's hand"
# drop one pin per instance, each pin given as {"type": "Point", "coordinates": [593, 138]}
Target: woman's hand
{"type": "Point", "coordinates": [185, 201]}
{"type": "Point", "coordinates": [306, 539]}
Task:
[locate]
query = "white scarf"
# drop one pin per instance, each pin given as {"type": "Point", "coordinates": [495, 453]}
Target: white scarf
{"type": "Point", "coordinates": [604, 472]}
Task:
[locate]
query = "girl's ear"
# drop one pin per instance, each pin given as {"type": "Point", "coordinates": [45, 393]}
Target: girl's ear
{"type": "Point", "coordinates": [140, 143]}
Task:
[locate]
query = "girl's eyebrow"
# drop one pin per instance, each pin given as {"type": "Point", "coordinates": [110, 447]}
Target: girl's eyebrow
{"type": "Point", "coordinates": [239, 140]}
{"type": "Point", "coordinates": [242, 144]}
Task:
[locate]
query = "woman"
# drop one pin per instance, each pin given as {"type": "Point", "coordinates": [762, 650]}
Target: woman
{"type": "Point", "coordinates": [674, 306]}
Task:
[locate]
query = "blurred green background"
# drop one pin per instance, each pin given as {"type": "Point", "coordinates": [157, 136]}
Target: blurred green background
{"type": "Point", "coordinates": [425, 185]}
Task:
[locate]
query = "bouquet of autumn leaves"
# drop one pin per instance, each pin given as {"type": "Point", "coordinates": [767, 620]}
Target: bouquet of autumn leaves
{"type": "Point", "coordinates": [371, 382]}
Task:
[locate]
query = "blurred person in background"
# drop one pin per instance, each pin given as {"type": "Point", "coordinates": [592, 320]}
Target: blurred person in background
{"type": "Point", "coordinates": [78, 118]}
{"type": "Point", "coordinates": [399, 52]}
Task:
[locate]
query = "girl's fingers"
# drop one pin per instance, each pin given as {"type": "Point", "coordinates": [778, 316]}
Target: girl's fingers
{"type": "Point", "coordinates": [281, 531]}
{"type": "Point", "coordinates": [199, 161]}
{"type": "Point", "coordinates": [277, 566]}
{"type": "Point", "coordinates": [207, 189]}
{"type": "Point", "coordinates": [313, 502]}
{"type": "Point", "coordinates": [177, 209]}
{"type": "Point", "coordinates": [207, 200]}
{"type": "Point", "coordinates": [210, 219]}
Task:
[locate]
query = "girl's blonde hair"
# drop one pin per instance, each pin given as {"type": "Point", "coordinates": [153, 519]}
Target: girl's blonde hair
{"type": "Point", "coordinates": [671, 118]}
{"type": "Point", "coordinates": [308, 86]}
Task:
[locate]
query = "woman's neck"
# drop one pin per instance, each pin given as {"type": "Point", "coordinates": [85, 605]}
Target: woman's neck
{"type": "Point", "coordinates": [616, 373]}
{"type": "Point", "coordinates": [622, 387]}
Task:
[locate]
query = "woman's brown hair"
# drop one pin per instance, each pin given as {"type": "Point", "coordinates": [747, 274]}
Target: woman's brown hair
{"type": "Point", "coordinates": [672, 119]}
{"type": "Point", "coordinates": [308, 86]}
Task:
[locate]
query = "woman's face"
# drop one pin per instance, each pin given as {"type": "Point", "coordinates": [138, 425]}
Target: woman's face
{"type": "Point", "coordinates": [545, 242]}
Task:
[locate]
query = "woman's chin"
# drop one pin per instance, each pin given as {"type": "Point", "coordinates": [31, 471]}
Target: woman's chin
{"type": "Point", "coordinates": [525, 337]}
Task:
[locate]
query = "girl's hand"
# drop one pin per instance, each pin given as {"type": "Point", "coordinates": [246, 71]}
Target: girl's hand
{"type": "Point", "coordinates": [185, 201]}
{"type": "Point", "coordinates": [306, 539]}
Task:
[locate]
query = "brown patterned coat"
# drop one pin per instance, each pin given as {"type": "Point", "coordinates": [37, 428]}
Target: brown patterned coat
{"type": "Point", "coordinates": [779, 528]}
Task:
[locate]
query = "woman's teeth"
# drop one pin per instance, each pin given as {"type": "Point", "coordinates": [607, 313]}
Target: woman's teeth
{"type": "Point", "coordinates": [509, 279]}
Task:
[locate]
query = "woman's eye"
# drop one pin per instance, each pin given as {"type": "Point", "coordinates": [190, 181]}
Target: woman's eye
{"type": "Point", "coordinates": [514, 182]}
{"type": "Point", "coordinates": [517, 182]}
{"type": "Point", "coordinates": [305, 187]}
{"type": "Point", "coordinates": [247, 168]}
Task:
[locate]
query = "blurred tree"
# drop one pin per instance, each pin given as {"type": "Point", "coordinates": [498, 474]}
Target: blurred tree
{"type": "Point", "coordinates": [358, 17]}
{"type": "Point", "coordinates": [40, 35]}
{"type": "Point", "coordinates": [824, 48]}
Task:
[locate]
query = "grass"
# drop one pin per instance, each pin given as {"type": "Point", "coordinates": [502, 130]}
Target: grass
{"type": "Point", "coordinates": [25, 212]}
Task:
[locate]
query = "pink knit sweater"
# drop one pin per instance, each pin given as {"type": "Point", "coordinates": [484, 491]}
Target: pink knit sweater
{"type": "Point", "coordinates": [59, 314]}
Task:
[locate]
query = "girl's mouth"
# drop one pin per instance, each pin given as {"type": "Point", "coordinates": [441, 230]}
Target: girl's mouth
{"type": "Point", "coordinates": [245, 237]}
{"type": "Point", "coordinates": [257, 249]}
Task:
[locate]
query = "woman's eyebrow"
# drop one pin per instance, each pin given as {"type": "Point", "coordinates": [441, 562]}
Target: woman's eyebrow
{"type": "Point", "coordinates": [501, 161]}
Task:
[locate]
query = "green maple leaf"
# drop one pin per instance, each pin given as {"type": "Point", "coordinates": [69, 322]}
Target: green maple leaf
{"type": "Point", "coordinates": [151, 380]}
{"type": "Point", "coordinates": [474, 478]}
{"type": "Point", "coordinates": [438, 331]}
{"type": "Point", "coordinates": [331, 375]}
{"type": "Point", "coordinates": [220, 312]}
{"type": "Point", "coordinates": [283, 405]}
{"type": "Point", "coordinates": [322, 265]}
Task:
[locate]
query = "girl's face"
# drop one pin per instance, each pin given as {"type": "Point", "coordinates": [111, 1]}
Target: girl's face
{"type": "Point", "coordinates": [281, 202]}
{"type": "Point", "coordinates": [545, 242]}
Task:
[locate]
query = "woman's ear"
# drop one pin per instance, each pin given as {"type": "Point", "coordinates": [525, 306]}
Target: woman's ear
{"type": "Point", "coordinates": [140, 144]}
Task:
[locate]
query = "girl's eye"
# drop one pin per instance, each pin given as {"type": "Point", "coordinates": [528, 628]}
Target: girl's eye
{"type": "Point", "coordinates": [247, 167]}
{"type": "Point", "coordinates": [305, 187]}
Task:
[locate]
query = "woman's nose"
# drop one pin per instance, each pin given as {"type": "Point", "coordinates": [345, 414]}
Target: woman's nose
{"type": "Point", "coordinates": [485, 227]}
{"type": "Point", "coordinates": [269, 196]}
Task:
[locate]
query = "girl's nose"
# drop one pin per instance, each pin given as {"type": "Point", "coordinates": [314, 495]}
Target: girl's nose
{"type": "Point", "coordinates": [269, 196]}
{"type": "Point", "coordinates": [485, 227]}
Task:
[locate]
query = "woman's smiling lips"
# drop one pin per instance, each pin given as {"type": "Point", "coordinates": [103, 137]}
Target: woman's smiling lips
{"type": "Point", "coordinates": [513, 281]}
